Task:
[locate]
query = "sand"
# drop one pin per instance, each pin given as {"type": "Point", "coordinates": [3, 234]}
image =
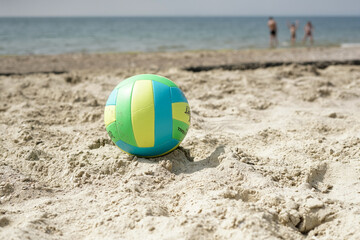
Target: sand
{"type": "Point", "coordinates": [272, 153]}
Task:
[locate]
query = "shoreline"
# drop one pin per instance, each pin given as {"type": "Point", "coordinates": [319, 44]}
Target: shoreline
{"type": "Point", "coordinates": [298, 45]}
{"type": "Point", "coordinates": [245, 49]}
{"type": "Point", "coordinates": [155, 61]}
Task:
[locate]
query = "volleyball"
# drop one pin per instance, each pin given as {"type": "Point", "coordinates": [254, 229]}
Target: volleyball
{"type": "Point", "coordinates": [147, 115]}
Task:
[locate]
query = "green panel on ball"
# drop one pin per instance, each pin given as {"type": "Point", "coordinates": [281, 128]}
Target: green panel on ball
{"type": "Point", "coordinates": [123, 114]}
{"type": "Point", "coordinates": [153, 77]}
{"type": "Point", "coordinates": [113, 133]}
{"type": "Point", "coordinates": [163, 80]}
{"type": "Point", "coordinates": [179, 129]}
{"type": "Point", "coordinates": [127, 81]}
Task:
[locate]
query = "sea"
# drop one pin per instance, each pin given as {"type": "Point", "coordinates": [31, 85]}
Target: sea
{"type": "Point", "coordinates": [58, 35]}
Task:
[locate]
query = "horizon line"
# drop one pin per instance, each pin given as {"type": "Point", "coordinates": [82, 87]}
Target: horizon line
{"type": "Point", "coordinates": [174, 16]}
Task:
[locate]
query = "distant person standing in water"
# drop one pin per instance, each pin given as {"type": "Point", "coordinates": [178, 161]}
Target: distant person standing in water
{"type": "Point", "coordinates": [308, 32]}
{"type": "Point", "coordinates": [293, 27]}
{"type": "Point", "coordinates": [273, 31]}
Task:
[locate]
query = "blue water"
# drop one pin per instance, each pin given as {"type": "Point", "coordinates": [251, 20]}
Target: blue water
{"type": "Point", "coordinates": [20, 36]}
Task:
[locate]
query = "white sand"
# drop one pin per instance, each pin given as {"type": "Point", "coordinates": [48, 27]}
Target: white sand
{"type": "Point", "coordinates": [271, 154]}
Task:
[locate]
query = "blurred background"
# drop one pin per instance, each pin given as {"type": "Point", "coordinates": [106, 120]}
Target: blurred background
{"type": "Point", "coordinates": [47, 27]}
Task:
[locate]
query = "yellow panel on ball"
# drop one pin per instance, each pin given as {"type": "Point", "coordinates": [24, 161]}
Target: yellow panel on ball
{"type": "Point", "coordinates": [181, 112]}
{"type": "Point", "coordinates": [143, 113]}
{"type": "Point", "coordinates": [109, 114]}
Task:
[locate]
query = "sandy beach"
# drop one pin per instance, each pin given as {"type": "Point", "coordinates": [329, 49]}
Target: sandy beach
{"type": "Point", "coordinates": [273, 151]}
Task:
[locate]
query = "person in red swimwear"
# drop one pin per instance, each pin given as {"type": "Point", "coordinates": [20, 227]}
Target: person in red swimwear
{"type": "Point", "coordinates": [293, 27]}
{"type": "Point", "coordinates": [273, 32]}
{"type": "Point", "coordinates": [308, 32]}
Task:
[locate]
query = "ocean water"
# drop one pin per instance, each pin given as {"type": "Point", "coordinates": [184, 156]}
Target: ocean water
{"type": "Point", "coordinates": [19, 36]}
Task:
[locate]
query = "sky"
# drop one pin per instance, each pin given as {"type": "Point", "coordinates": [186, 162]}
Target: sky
{"type": "Point", "coordinates": [179, 8]}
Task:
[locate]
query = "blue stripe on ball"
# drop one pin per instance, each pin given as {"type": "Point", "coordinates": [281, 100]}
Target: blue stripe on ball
{"type": "Point", "coordinates": [177, 95]}
{"type": "Point", "coordinates": [163, 113]}
{"type": "Point", "coordinates": [148, 152]}
{"type": "Point", "coordinates": [112, 98]}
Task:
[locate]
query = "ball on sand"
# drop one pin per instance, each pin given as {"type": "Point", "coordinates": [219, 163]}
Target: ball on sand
{"type": "Point", "coordinates": [147, 115]}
